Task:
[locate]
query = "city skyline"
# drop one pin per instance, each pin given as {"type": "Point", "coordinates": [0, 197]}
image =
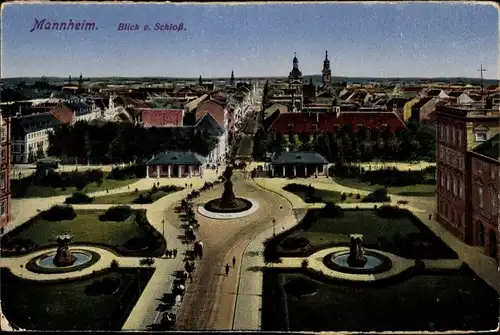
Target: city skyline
{"type": "Point", "coordinates": [376, 40]}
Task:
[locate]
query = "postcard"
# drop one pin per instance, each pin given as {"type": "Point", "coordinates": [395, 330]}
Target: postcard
{"type": "Point", "coordinates": [249, 166]}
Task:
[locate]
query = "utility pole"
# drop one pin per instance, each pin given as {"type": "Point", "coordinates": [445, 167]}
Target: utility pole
{"type": "Point", "coordinates": [481, 70]}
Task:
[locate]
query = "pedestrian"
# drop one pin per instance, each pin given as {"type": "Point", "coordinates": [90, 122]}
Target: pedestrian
{"type": "Point", "coordinates": [107, 191]}
{"type": "Point", "coordinates": [234, 261]}
{"type": "Point", "coordinates": [227, 269]}
{"type": "Point", "coordinates": [175, 253]}
{"type": "Point", "coordinates": [430, 216]}
{"type": "Point", "coordinates": [191, 185]}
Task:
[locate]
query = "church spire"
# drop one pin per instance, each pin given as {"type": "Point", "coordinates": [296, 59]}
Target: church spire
{"type": "Point", "coordinates": [327, 73]}
{"type": "Point", "coordinates": [231, 81]}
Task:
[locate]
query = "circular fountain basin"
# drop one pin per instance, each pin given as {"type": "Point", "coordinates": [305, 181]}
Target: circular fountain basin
{"type": "Point", "coordinates": [375, 263]}
{"type": "Point", "coordinates": [243, 207]}
{"type": "Point", "coordinates": [45, 263]}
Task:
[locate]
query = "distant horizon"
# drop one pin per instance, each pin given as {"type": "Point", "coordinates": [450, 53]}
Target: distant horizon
{"type": "Point", "coordinates": [377, 40]}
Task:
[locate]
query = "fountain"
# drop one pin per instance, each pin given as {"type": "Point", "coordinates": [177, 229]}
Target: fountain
{"type": "Point", "coordinates": [63, 256]}
{"type": "Point", "coordinates": [228, 206]}
{"type": "Point", "coordinates": [63, 259]}
{"type": "Point", "coordinates": [228, 202]}
{"type": "Point", "coordinates": [356, 259]}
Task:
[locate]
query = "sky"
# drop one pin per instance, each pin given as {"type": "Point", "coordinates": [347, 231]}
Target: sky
{"type": "Point", "coordinates": [254, 40]}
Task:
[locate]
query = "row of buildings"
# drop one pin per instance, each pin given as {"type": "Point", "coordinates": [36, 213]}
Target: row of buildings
{"type": "Point", "coordinates": [297, 100]}
{"type": "Point", "coordinates": [5, 193]}
{"type": "Point", "coordinates": [217, 110]}
{"type": "Point", "coordinates": [468, 174]}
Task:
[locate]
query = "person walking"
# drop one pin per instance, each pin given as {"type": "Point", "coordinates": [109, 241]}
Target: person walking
{"type": "Point", "coordinates": [227, 269]}
{"type": "Point", "coordinates": [175, 253]}
{"type": "Point", "coordinates": [234, 261]}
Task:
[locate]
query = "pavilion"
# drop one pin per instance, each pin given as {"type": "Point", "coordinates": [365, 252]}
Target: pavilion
{"type": "Point", "coordinates": [175, 164]}
{"type": "Point", "coordinates": [299, 164]}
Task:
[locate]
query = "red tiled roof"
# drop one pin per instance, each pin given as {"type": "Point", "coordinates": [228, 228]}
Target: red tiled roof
{"type": "Point", "coordinates": [213, 107]}
{"type": "Point", "coordinates": [329, 122]}
{"type": "Point", "coordinates": [162, 117]}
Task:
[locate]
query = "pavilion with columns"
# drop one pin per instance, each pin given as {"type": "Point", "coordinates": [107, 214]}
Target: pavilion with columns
{"type": "Point", "coordinates": [175, 164]}
{"type": "Point", "coordinates": [299, 164]}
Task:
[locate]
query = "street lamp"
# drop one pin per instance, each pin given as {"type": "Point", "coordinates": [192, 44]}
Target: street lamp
{"type": "Point", "coordinates": [163, 233]}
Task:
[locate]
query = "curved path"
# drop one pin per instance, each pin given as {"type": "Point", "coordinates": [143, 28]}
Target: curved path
{"type": "Point", "coordinates": [209, 302]}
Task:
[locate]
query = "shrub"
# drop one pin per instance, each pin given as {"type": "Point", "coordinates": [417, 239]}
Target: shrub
{"type": "Point", "coordinates": [141, 219]}
{"type": "Point", "coordinates": [143, 198]}
{"type": "Point", "coordinates": [343, 197]}
{"type": "Point", "coordinates": [79, 198]}
{"type": "Point", "coordinates": [332, 210]}
{"type": "Point", "coordinates": [295, 242]}
{"type": "Point", "coordinates": [358, 196]}
{"type": "Point", "coordinates": [305, 263]}
{"type": "Point", "coordinates": [127, 172]}
{"type": "Point", "coordinates": [170, 188]}
{"type": "Point", "coordinates": [19, 243]}
{"type": "Point", "coordinates": [391, 212]}
{"type": "Point", "coordinates": [154, 189]}
{"type": "Point", "coordinates": [300, 286]}
{"type": "Point", "coordinates": [379, 195]}
{"type": "Point", "coordinates": [136, 190]}
{"type": "Point", "coordinates": [114, 264]}
{"type": "Point", "coordinates": [117, 213]}
{"type": "Point", "coordinates": [59, 213]}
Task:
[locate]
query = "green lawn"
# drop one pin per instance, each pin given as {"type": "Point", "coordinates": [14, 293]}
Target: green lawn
{"type": "Point", "coordinates": [128, 197]}
{"type": "Point", "coordinates": [419, 190]}
{"type": "Point", "coordinates": [403, 236]}
{"type": "Point", "coordinates": [35, 191]}
{"type": "Point", "coordinates": [366, 222]}
{"type": "Point", "coordinates": [34, 305]}
{"type": "Point", "coordinates": [323, 196]}
{"type": "Point", "coordinates": [85, 228]}
{"type": "Point", "coordinates": [414, 304]}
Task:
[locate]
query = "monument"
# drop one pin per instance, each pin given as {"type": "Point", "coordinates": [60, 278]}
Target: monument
{"type": "Point", "coordinates": [63, 256]}
{"type": "Point", "coordinates": [228, 200]}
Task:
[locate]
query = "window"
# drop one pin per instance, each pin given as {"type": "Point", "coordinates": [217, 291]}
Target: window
{"type": "Point", "coordinates": [480, 237]}
{"type": "Point", "coordinates": [493, 203]}
{"type": "Point", "coordinates": [315, 127]}
{"type": "Point", "coordinates": [453, 137]}
{"type": "Point", "coordinates": [455, 188]}
{"type": "Point", "coordinates": [447, 183]}
{"type": "Point", "coordinates": [442, 180]}
{"type": "Point", "coordinates": [441, 131]}
{"type": "Point", "coordinates": [441, 153]}
{"type": "Point", "coordinates": [480, 136]}
{"type": "Point", "coordinates": [4, 133]}
{"type": "Point", "coordinates": [492, 172]}
{"type": "Point", "coordinates": [291, 126]}
{"type": "Point", "coordinates": [447, 136]}
{"type": "Point", "coordinates": [480, 197]}
{"type": "Point", "coordinates": [459, 190]}
{"type": "Point", "coordinates": [460, 137]}
{"type": "Point", "coordinates": [2, 209]}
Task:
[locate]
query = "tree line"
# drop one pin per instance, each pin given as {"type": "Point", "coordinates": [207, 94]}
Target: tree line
{"type": "Point", "coordinates": [413, 143]}
{"type": "Point", "coordinates": [124, 142]}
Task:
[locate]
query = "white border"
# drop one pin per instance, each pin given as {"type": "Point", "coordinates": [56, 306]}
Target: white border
{"type": "Point", "coordinates": [229, 216]}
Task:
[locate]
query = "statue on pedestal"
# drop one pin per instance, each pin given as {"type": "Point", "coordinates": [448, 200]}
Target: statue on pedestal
{"type": "Point", "coordinates": [356, 253]}
{"type": "Point", "coordinates": [64, 257]}
{"type": "Point", "coordinates": [228, 200]}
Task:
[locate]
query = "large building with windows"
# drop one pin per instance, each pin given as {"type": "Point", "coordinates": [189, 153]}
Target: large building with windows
{"type": "Point", "coordinates": [468, 174]}
{"type": "Point", "coordinates": [5, 150]}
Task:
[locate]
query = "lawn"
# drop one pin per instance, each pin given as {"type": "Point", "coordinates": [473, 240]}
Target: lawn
{"type": "Point", "coordinates": [318, 195]}
{"type": "Point", "coordinates": [440, 302]}
{"type": "Point", "coordinates": [34, 305]}
{"type": "Point", "coordinates": [85, 228]}
{"type": "Point", "coordinates": [35, 191]}
{"type": "Point", "coordinates": [419, 190]}
{"type": "Point", "coordinates": [392, 235]}
{"type": "Point", "coordinates": [129, 197]}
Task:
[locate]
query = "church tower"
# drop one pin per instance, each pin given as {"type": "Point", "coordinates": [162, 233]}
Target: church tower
{"type": "Point", "coordinates": [231, 81]}
{"type": "Point", "coordinates": [295, 74]}
{"type": "Point", "coordinates": [327, 73]}
{"type": "Point", "coordinates": [80, 81]}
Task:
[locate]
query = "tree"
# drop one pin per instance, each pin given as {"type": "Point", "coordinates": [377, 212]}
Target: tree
{"type": "Point", "coordinates": [295, 143]}
{"type": "Point", "coordinates": [200, 81]}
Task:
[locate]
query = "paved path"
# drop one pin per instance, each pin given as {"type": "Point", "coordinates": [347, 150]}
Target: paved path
{"type": "Point", "coordinates": [210, 300]}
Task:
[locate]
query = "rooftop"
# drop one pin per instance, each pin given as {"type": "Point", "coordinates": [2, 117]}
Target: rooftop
{"type": "Point", "coordinates": [490, 148]}
{"type": "Point", "coordinates": [299, 157]}
{"type": "Point", "coordinates": [176, 158]}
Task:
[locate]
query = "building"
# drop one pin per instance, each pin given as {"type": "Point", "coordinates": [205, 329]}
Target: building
{"type": "Point", "coordinates": [5, 164]}
{"type": "Point", "coordinates": [299, 164]}
{"type": "Point", "coordinates": [326, 73]}
{"type": "Point", "coordinates": [295, 76]}
{"type": "Point", "coordinates": [311, 123]}
{"type": "Point", "coordinates": [30, 136]}
{"type": "Point", "coordinates": [159, 117]}
{"type": "Point", "coordinates": [171, 164]}
{"type": "Point", "coordinates": [467, 179]}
